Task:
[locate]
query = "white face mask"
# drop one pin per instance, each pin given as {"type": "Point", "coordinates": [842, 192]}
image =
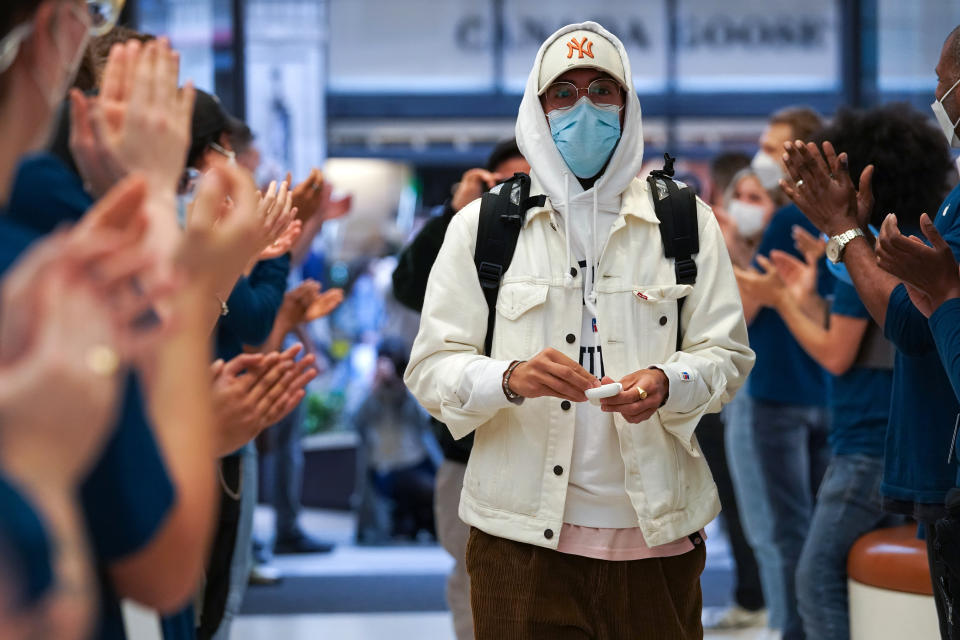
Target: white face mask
{"type": "Point", "coordinates": [943, 119]}
{"type": "Point", "coordinates": [749, 218]}
{"type": "Point", "coordinates": [69, 64]}
{"type": "Point", "coordinates": [768, 170]}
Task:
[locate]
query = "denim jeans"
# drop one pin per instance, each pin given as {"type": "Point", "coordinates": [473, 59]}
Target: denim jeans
{"type": "Point", "coordinates": [243, 549]}
{"type": "Point", "coordinates": [748, 591]}
{"type": "Point", "coordinates": [792, 444]}
{"type": "Point", "coordinates": [752, 502]}
{"type": "Point", "coordinates": [848, 506]}
{"type": "Point", "coordinates": [288, 473]}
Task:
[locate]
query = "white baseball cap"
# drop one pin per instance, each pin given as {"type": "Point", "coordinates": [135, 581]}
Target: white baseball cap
{"type": "Point", "coordinates": [577, 50]}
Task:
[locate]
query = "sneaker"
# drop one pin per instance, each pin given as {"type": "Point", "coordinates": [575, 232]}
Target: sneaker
{"type": "Point", "coordinates": [264, 575]}
{"type": "Point", "coordinates": [735, 617]}
{"type": "Point", "coordinates": [301, 543]}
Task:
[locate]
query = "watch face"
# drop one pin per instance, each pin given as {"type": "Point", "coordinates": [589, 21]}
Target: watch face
{"type": "Point", "coordinates": [833, 250]}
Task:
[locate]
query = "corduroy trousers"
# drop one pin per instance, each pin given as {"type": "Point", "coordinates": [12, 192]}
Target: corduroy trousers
{"type": "Point", "coordinates": [523, 592]}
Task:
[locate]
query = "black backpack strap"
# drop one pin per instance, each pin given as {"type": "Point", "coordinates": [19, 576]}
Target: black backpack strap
{"type": "Point", "coordinates": [502, 216]}
{"type": "Point", "coordinates": [676, 209]}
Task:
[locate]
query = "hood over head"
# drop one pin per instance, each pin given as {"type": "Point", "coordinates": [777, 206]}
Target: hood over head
{"type": "Point", "coordinates": [533, 131]}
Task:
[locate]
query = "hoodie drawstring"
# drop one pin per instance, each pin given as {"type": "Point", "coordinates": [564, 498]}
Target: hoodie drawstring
{"type": "Point", "coordinates": [589, 275]}
{"type": "Point", "coordinates": [591, 297]}
{"type": "Point", "coordinates": [568, 277]}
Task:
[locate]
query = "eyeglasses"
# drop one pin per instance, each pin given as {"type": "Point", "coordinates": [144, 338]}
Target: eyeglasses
{"type": "Point", "coordinates": [101, 17]}
{"type": "Point", "coordinates": [104, 15]}
{"type": "Point", "coordinates": [602, 92]}
{"type": "Point", "coordinates": [231, 156]}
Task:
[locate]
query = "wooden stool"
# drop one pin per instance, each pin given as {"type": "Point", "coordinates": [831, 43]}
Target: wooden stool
{"type": "Point", "coordinates": [891, 596]}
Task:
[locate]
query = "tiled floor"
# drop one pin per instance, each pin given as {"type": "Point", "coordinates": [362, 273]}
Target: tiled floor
{"type": "Point", "coordinates": [352, 561]}
{"type": "Point", "coordinates": [412, 626]}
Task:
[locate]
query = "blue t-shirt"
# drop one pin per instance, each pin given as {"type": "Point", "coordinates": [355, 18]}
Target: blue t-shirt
{"type": "Point", "coordinates": [128, 494]}
{"type": "Point", "coordinates": [783, 372]}
{"type": "Point", "coordinates": [46, 194]}
{"type": "Point", "coordinates": [923, 409]}
{"type": "Point", "coordinates": [945, 326]}
{"type": "Point", "coordinates": [253, 306]}
{"type": "Point", "coordinates": [860, 398]}
{"type": "Point", "coordinates": [24, 548]}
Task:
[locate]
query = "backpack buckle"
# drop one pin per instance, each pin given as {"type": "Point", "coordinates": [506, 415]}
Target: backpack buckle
{"type": "Point", "coordinates": [686, 271]}
{"type": "Point", "coordinates": [490, 275]}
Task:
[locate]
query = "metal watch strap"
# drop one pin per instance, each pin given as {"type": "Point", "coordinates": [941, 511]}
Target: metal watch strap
{"type": "Point", "coordinates": [507, 391]}
{"type": "Point", "coordinates": [844, 238]}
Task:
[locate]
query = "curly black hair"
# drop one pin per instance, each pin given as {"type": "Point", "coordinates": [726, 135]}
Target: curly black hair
{"type": "Point", "coordinates": [911, 158]}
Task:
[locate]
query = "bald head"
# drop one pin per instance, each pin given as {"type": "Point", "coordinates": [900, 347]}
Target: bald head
{"type": "Point", "coordinates": [948, 67]}
{"type": "Point", "coordinates": [952, 47]}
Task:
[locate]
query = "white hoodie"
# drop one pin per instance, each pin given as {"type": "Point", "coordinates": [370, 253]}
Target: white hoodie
{"type": "Point", "coordinates": [596, 495]}
{"type": "Point", "coordinates": [520, 473]}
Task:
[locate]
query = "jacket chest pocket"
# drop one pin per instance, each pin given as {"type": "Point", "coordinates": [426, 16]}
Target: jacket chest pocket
{"type": "Point", "coordinates": [648, 322]}
{"type": "Point", "coordinates": [521, 320]}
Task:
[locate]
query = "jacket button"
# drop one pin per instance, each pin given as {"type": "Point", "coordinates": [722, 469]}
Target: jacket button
{"type": "Point", "coordinates": [558, 470]}
{"type": "Point", "coordinates": [548, 534]}
{"type": "Point", "coordinates": [571, 338]}
{"type": "Point", "coordinates": [573, 271]}
{"type": "Point", "coordinates": [663, 320]}
{"type": "Point", "coordinates": [565, 405]}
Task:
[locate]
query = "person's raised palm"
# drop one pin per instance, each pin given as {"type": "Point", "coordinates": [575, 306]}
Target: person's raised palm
{"type": "Point", "coordinates": [798, 276]}
{"type": "Point", "coordinates": [822, 188]}
{"type": "Point", "coordinates": [323, 305]}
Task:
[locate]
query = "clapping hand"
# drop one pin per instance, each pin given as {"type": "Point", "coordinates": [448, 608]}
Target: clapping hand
{"type": "Point", "coordinates": [929, 272]}
{"type": "Point", "coordinates": [225, 230]}
{"type": "Point", "coordinates": [823, 189]}
{"type": "Point", "coordinates": [307, 303]}
{"type": "Point", "coordinates": [139, 123]}
{"type": "Point", "coordinates": [254, 391]}
{"type": "Point", "coordinates": [67, 331]}
{"type": "Point", "coordinates": [765, 287]}
{"type": "Point", "coordinates": [281, 228]}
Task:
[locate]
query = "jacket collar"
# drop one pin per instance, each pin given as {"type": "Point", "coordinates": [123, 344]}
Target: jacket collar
{"type": "Point", "coordinates": [636, 202]}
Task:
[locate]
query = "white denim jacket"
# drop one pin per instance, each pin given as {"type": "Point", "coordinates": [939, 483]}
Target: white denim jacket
{"type": "Point", "coordinates": [515, 485]}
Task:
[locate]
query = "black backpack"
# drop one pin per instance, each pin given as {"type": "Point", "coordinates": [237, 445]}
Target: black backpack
{"type": "Point", "coordinates": [502, 215]}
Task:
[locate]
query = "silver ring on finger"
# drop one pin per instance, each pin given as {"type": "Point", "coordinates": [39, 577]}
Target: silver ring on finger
{"type": "Point", "coordinates": [799, 183]}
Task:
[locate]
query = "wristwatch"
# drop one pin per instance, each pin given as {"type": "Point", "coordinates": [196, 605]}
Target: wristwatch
{"type": "Point", "coordinates": [838, 243]}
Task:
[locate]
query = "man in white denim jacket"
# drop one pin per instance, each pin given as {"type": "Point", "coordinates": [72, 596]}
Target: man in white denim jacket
{"type": "Point", "coordinates": [559, 491]}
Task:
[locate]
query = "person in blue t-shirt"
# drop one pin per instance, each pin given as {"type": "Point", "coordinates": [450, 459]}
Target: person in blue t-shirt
{"type": "Point", "coordinates": [852, 347]}
{"type": "Point", "coordinates": [56, 369]}
{"type": "Point", "coordinates": [919, 446]}
{"type": "Point", "coordinates": [148, 502]}
{"type": "Point", "coordinates": [787, 388]}
{"type": "Point", "coordinates": [931, 276]}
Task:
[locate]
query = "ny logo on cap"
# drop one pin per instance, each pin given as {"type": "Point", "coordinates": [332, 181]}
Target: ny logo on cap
{"type": "Point", "coordinates": [584, 48]}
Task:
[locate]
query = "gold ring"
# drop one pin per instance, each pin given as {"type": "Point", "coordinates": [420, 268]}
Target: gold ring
{"type": "Point", "coordinates": [642, 394]}
{"type": "Point", "coordinates": [102, 360]}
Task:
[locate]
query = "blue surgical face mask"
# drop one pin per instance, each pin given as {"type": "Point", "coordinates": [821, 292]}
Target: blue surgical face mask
{"type": "Point", "coordinates": [585, 135]}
